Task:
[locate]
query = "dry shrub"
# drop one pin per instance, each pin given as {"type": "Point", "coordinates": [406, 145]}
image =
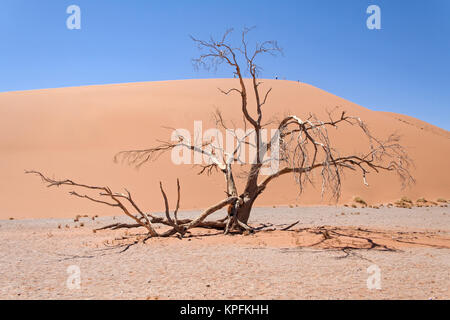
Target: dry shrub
{"type": "Point", "coordinates": [404, 203]}
{"type": "Point", "coordinates": [407, 200]}
{"type": "Point", "coordinates": [360, 201]}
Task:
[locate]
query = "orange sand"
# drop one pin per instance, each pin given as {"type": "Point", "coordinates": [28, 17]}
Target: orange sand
{"type": "Point", "coordinates": [75, 132]}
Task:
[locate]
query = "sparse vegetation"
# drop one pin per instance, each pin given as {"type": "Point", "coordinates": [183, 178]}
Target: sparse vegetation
{"type": "Point", "coordinates": [422, 202]}
{"type": "Point", "coordinates": [407, 200]}
{"type": "Point", "coordinates": [360, 201]}
{"type": "Point", "coordinates": [403, 204]}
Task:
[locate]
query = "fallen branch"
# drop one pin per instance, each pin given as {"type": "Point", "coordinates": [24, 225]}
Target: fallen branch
{"type": "Point", "coordinates": [290, 226]}
{"type": "Point", "coordinates": [177, 226]}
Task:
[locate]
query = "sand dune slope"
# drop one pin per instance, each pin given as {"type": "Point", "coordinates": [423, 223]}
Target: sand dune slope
{"type": "Point", "coordinates": [75, 132]}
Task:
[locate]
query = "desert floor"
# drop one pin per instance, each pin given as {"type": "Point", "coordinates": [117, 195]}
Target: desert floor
{"type": "Point", "coordinates": [325, 256]}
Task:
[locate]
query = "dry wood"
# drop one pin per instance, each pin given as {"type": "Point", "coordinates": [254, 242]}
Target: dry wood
{"type": "Point", "coordinates": [304, 148]}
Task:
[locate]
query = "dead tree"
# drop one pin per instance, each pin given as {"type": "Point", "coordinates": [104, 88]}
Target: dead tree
{"type": "Point", "coordinates": [304, 148]}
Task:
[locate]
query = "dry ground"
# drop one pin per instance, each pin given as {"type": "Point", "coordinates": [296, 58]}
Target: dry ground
{"type": "Point", "coordinates": [325, 256]}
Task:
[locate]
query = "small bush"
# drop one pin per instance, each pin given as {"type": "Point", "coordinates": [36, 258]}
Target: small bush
{"type": "Point", "coordinates": [406, 199]}
{"type": "Point", "coordinates": [404, 203]}
{"type": "Point", "coordinates": [360, 201]}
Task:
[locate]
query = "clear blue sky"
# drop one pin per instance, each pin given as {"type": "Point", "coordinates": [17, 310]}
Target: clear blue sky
{"type": "Point", "coordinates": [405, 67]}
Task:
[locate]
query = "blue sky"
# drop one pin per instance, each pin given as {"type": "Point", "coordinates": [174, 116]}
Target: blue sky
{"type": "Point", "coordinates": [404, 67]}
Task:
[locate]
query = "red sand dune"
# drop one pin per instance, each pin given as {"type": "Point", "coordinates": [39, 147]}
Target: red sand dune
{"type": "Point", "coordinates": [75, 132]}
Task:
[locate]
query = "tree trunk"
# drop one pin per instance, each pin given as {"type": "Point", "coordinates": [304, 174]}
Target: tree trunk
{"type": "Point", "coordinates": [244, 210]}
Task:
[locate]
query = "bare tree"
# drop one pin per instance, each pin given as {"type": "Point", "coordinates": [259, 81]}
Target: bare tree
{"type": "Point", "coordinates": [304, 148]}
